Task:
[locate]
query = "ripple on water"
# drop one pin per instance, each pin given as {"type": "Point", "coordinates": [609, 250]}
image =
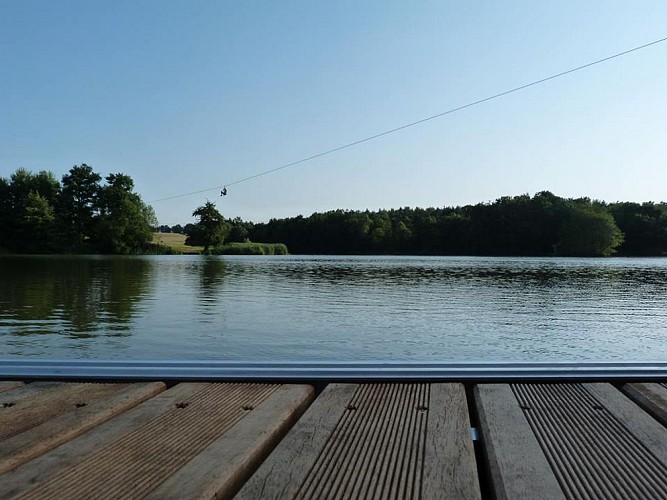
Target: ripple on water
{"type": "Point", "coordinates": [324, 308]}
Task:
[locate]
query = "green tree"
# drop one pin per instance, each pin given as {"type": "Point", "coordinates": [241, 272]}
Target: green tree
{"type": "Point", "coordinates": [37, 225]}
{"type": "Point", "coordinates": [23, 181]}
{"type": "Point", "coordinates": [238, 230]}
{"type": "Point", "coordinates": [589, 233]}
{"type": "Point", "coordinates": [644, 227]}
{"type": "Point", "coordinates": [24, 200]}
{"type": "Point", "coordinates": [6, 214]}
{"type": "Point", "coordinates": [81, 188]}
{"type": "Point", "coordinates": [124, 224]}
{"type": "Point", "coordinates": [38, 215]}
{"type": "Point", "coordinates": [211, 228]}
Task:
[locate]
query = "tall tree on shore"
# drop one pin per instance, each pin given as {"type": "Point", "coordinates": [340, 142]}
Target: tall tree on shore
{"type": "Point", "coordinates": [81, 188]}
{"type": "Point", "coordinates": [37, 225]}
{"type": "Point", "coordinates": [27, 214]}
{"type": "Point", "coordinates": [39, 215]}
{"type": "Point", "coordinates": [125, 223]}
{"type": "Point", "coordinates": [211, 228]}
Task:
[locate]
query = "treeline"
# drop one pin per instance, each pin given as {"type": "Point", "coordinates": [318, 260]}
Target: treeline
{"type": "Point", "coordinates": [542, 225]}
{"type": "Point", "coordinates": [79, 214]}
{"type": "Point", "coordinates": [177, 229]}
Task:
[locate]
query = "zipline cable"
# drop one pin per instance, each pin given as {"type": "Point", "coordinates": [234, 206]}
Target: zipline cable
{"type": "Point", "coordinates": [412, 124]}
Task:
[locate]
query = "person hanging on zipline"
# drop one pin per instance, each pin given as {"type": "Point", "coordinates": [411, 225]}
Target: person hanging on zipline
{"type": "Point", "coordinates": [223, 192]}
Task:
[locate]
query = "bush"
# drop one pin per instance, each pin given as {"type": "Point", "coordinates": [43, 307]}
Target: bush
{"type": "Point", "coordinates": [160, 249]}
{"type": "Point", "coordinates": [249, 248]}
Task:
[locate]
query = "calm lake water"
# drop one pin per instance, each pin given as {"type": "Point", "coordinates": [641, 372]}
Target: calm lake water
{"type": "Point", "coordinates": [334, 308]}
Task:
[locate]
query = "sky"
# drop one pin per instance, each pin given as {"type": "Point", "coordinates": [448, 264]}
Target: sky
{"type": "Point", "coordinates": [187, 96]}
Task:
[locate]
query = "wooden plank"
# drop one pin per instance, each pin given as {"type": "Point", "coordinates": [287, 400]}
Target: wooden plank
{"type": "Point", "coordinates": [67, 456]}
{"type": "Point", "coordinates": [375, 440]}
{"type": "Point", "coordinates": [140, 460]}
{"type": "Point", "coordinates": [517, 464]}
{"type": "Point", "coordinates": [8, 385]}
{"type": "Point", "coordinates": [644, 428]}
{"type": "Point", "coordinates": [283, 472]}
{"type": "Point", "coordinates": [41, 438]}
{"type": "Point", "coordinates": [376, 434]}
{"type": "Point", "coordinates": [598, 442]}
{"type": "Point", "coordinates": [31, 405]}
{"type": "Point", "coordinates": [394, 468]}
{"type": "Point", "coordinates": [651, 397]}
{"type": "Point", "coordinates": [222, 468]}
{"type": "Point", "coordinates": [450, 469]}
{"type": "Point", "coordinates": [27, 391]}
{"type": "Point", "coordinates": [361, 456]}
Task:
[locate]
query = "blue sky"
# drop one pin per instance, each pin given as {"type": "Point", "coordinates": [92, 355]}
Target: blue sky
{"type": "Point", "coordinates": [185, 96]}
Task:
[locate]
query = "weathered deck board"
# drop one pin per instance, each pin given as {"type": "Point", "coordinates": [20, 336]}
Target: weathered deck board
{"type": "Point", "coordinates": [32, 404]}
{"type": "Point", "coordinates": [372, 440]}
{"type": "Point", "coordinates": [598, 443]}
{"type": "Point", "coordinates": [282, 474]}
{"type": "Point", "coordinates": [450, 468]}
{"type": "Point", "coordinates": [375, 441]}
{"type": "Point", "coordinates": [517, 465]}
{"type": "Point", "coordinates": [635, 422]}
{"type": "Point", "coordinates": [650, 396]}
{"type": "Point", "coordinates": [7, 385]}
{"type": "Point", "coordinates": [46, 433]}
{"type": "Point", "coordinates": [68, 455]}
{"type": "Point", "coordinates": [222, 468]}
{"type": "Point", "coordinates": [134, 453]}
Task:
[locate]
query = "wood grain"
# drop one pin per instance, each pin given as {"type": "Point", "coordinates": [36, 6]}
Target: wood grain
{"type": "Point", "coordinates": [650, 396]}
{"type": "Point", "coordinates": [33, 404]}
{"type": "Point", "coordinates": [67, 456]}
{"type": "Point", "coordinates": [450, 470]}
{"type": "Point", "coordinates": [644, 428]}
{"type": "Point", "coordinates": [8, 385]}
{"type": "Point", "coordinates": [375, 441]}
{"type": "Point", "coordinates": [141, 460]}
{"type": "Point", "coordinates": [41, 438]}
{"type": "Point", "coordinates": [517, 464]}
{"type": "Point", "coordinates": [222, 468]}
{"type": "Point", "coordinates": [283, 472]}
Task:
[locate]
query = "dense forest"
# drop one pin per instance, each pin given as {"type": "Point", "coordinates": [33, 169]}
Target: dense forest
{"type": "Point", "coordinates": [83, 214]}
{"type": "Point", "coordinates": [40, 214]}
{"type": "Point", "coordinates": [542, 225]}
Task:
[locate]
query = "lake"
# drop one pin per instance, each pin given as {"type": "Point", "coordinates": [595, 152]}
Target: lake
{"type": "Point", "coordinates": [297, 308]}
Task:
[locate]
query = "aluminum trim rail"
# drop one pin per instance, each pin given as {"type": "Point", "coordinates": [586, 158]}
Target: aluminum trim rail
{"type": "Point", "coordinates": [325, 371]}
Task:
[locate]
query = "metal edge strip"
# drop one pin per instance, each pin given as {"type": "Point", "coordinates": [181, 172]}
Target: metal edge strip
{"type": "Point", "coordinates": [326, 371]}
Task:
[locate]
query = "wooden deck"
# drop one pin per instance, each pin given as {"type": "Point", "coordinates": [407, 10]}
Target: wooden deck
{"type": "Point", "coordinates": [372, 440]}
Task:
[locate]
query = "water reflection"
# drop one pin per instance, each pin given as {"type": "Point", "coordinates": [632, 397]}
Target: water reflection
{"type": "Point", "coordinates": [211, 271]}
{"type": "Point", "coordinates": [79, 297]}
{"type": "Point", "coordinates": [334, 308]}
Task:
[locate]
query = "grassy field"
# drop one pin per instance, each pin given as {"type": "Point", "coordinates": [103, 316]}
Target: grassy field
{"type": "Point", "coordinates": [176, 242]}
